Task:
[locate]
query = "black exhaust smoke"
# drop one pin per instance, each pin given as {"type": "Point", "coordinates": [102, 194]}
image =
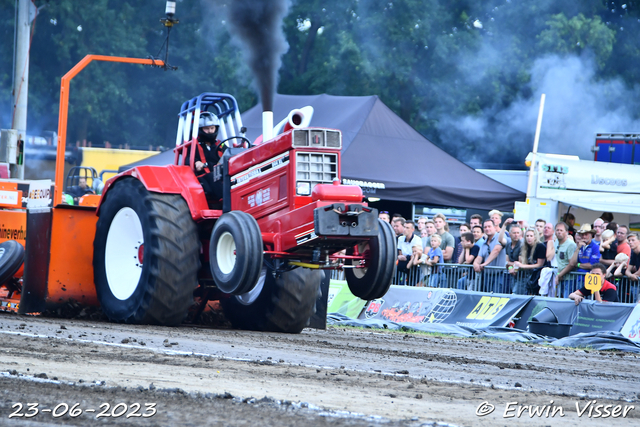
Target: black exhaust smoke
{"type": "Point", "coordinates": [258, 25]}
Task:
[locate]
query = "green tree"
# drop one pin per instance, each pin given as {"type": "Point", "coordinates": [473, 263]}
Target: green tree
{"type": "Point", "coordinates": [573, 36]}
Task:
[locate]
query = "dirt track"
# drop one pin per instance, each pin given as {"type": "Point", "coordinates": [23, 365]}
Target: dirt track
{"type": "Point", "coordinates": [203, 376]}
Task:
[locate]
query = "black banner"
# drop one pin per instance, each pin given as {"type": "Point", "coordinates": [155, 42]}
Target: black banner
{"type": "Point", "coordinates": [564, 309]}
{"type": "Point", "coordinates": [595, 317]}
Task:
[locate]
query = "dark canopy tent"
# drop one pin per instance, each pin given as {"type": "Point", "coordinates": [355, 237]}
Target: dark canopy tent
{"type": "Point", "coordinates": [386, 156]}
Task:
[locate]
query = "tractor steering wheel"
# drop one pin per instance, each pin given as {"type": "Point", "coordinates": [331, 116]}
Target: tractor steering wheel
{"type": "Point", "coordinates": [238, 137]}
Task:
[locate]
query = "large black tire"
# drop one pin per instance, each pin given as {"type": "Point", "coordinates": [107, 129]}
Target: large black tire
{"type": "Point", "coordinates": [157, 289]}
{"type": "Point", "coordinates": [235, 252]}
{"type": "Point", "coordinates": [278, 304]}
{"type": "Point", "coordinates": [374, 280]}
{"type": "Point", "coordinates": [11, 258]}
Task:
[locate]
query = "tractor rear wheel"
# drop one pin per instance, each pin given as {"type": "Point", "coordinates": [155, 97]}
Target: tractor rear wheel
{"type": "Point", "coordinates": [279, 304]}
{"type": "Point", "coordinates": [11, 258]}
{"type": "Point", "coordinates": [146, 255]}
{"type": "Point", "coordinates": [374, 280]}
{"type": "Point", "coordinates": [235, 252]}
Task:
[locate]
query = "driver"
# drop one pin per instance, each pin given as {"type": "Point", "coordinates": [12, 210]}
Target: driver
{"type": "Point", "coordinates": [209, 153]}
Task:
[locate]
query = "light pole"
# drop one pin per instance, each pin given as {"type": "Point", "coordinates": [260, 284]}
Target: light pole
{"type": "Point", "coordinates": [21, 82]}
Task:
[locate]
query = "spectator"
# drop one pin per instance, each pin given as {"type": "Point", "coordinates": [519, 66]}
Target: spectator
{"type": "Point", "coordinates": [476, 219]}
{"type": "Point", "coordinates": [540, 223]}
{"type": "Point", "coordinates": [608, 247]}
{"type": "Point", "coordinates": [598, 227]}
{"type": "Point", "coordinates": [570, 220]}
{"type": "Point", "coordinates": [478, 234]}
{"type": "Point", "coordinates": [608, 292]}
{"type": "Point", "coordinates": [430, 226]}
{"type": "Point", "coordinates": [469, 249]}
{"type": "Point", "coordinates": [424, 234]}
{"type": "Point", "coordinates": [607, 216]}
{"type": "Point", "coordinates": [469, 253]}
{"type": "Point", "coordinates": [588, 252]}
{"type": "Point", "coordinates": [398, 226]}
{"type": "Point", "coordinates": [415, 266]}
{"type": "Point", "coordinates": [615, 273]}
{"type": "Point", "coordinates": [533, 255]}
{"type": "Point", "coordinates": [422, 221]}
{"type": "Point", "coordinates": [384, 215]}
{"type": "Point", "coordinates": [496, 216]}
{"type": "Point", "coordinates": [406, 242]}
{"type": "Point", "coordinates": [435, 261]}
{"type": "Point", "coordinates": [548, 236]}
{"type": "Point", "coordinates": [492, 254]}
{"type": "Point", "coordinates": [564, 250]}
{"type": "Point", "coordinates": [515, 245]}
{"type": "Point", "coordinates": [464, 228]}
{"type": "Point", "coordinates": [621, 237]}
{"type": "Point", "coordinates": [616, 269]}
{"type": "Point", "coordinates": [633, 269]}
{"type": "Point", "coordinates": [448, 242]}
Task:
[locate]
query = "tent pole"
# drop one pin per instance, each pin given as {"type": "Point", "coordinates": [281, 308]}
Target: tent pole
{"type": "Point", "coordinates": [536, 140]}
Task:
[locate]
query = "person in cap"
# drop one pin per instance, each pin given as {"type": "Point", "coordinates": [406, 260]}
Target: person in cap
{"type": "Point", "coordinates": [208, 153]}
{"type": "Point", "coordinates": [588, 249]}
{"type": "Point", "coordinates": [608, 292]}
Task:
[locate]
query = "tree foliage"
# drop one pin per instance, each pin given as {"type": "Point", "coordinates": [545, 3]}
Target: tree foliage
{"type": "Point", "coordinates": [439, 64]}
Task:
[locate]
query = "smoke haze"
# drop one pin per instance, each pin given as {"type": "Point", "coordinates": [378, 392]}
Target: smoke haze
{"type": "Point", "coordinates": [258, 25]}
{"type": "Point", "coordinates": [577, 106]}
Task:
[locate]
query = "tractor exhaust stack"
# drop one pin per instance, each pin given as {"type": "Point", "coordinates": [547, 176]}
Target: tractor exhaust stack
{"type": "Point", "coordinates": [267, 125]}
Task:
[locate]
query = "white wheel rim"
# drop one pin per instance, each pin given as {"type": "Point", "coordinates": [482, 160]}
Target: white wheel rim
{"type": "Point", "coordinates": [226, 253]}
{"type": "Point", "coordinates": [1, 252]}
{"type": "Point", "coordinates": [121, 253]}
{"type": "Point", "coordinates": [249, 297]}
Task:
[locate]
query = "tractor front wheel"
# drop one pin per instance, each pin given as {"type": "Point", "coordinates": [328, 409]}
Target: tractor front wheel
{"type": "Point", "coordinates": [235, 252]}
{"type": "Point", "coordinates": [374, 279]}
{"type": "Point", "coordinates": [145, 255]}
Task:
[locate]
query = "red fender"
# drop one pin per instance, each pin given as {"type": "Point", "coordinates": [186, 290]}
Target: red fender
{"type": "Point", "coordinates": [169, 179]}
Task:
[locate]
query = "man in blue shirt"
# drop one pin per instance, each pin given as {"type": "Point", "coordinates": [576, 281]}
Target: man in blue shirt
{"type": "Point", "coordinates": [588, 249]}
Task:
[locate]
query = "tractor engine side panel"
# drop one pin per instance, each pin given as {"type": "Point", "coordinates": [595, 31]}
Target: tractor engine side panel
{"type": "Point", "coordinates": [262, 189]}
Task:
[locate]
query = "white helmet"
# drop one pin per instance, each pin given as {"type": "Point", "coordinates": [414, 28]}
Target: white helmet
{"type": "Point", "coordinates": [208, 119]}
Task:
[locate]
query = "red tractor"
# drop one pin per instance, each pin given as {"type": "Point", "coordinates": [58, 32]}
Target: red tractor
{"type": "Point", "coordinates": [159, 240]}
{"type": "Point", "coordinates": [261, 249]}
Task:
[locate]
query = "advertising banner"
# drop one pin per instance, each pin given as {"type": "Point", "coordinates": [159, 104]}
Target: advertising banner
{"type": "Point", "coordinates": [568, 174]}
{"type": "Point", "coordinates": [631, 328]}
{"type": "Point", "coordinates": [594, 317]}
{"type": "Point", "coordinates": [435, 305]}
{"type": "Point", "coordinates": [342, 301]}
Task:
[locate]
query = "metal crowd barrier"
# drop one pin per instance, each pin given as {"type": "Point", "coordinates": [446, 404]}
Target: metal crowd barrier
{"type": "Point", "coordinates": [497, 280]}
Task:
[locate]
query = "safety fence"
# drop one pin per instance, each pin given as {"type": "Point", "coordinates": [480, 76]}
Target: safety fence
{"type": "Point", "coordinates": [500, 280]}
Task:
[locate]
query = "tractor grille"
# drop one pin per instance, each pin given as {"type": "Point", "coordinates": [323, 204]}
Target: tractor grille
{"type": "Point", "coordinates": [314, 168]}
{"type": "Point", "coordinates": [317, 138]}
